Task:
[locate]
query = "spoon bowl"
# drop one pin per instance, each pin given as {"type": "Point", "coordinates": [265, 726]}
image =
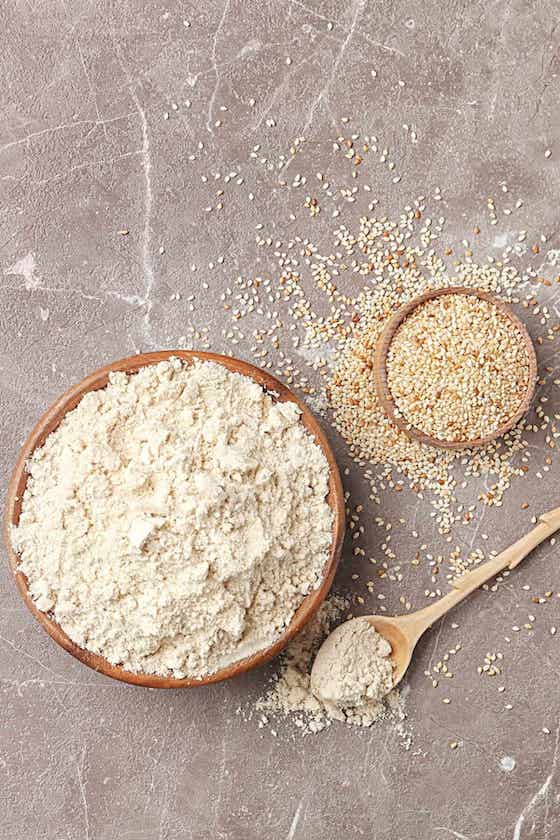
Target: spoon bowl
{"type": "Point", "coordinates": [394, 630]}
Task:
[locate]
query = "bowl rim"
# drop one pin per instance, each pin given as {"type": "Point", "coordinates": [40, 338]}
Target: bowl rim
{"type": "Point", "coordinates": [380, 373]}
{"type": "Point", "coordinates": [51, 419]}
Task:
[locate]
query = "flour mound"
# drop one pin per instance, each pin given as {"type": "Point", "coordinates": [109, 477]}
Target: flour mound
{"type": "Point", "coordinates": [353, 668]}
{"type": "Point", "coordinates": [176, 519]}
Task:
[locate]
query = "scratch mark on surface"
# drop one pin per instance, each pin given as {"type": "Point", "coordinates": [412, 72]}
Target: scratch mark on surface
{"type": "Point", "coordinates": [383, 46]}
{"type": "Point", "coordinates": [61, 127]}
{"type": "Point", "coordinates": [215, 67]}
{"type": "Point", "coordinates": [147, 262]}
{"type": "Point", "coordinates": [295, 821]}
{"type": "Point", "coordinates": [64, 174]}
{"type": "Point", "coordinates": [451, 831]}
{"type": "Point", "coordinates": [280, 89]}
{"type": "Point", "coordinates": [83, 792]}
{"type": "Point", "coordinates": [41, 682]}
{"type": "Point", "coordinates": [439, 632]}
{"type": "Point", "coordinates": [359, 5]}
{"type": "Point", "coordinates": [541, 794]}
{"type": "Point", "coordinates": [132, 300]}
{"type": "Point", "coordinates": [545, 84]}
{"type": "Point", "coordinates": [553, 770]}
{"type": "Point", "coordinates": [28, 656]}
{"type": "Point", "coordinates": [145, 152]}
{"type": "Point", "coordinates": [91, 89]}
{"type": "Point", "coordinates": [336, 23]}
{"type": "Point", "coordinates": [309, 11]}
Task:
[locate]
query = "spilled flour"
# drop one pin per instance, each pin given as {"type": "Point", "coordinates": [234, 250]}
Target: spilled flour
{"type": "Point", "coordinates": [293, 695]}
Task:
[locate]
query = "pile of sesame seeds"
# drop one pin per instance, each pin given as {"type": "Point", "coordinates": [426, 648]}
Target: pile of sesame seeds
{"type": "Point", "coordinates": [458, 368]}
{"type": "Point", "coordinates": [373, 438]}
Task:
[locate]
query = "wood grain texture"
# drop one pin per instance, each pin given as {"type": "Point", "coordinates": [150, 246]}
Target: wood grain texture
{"type": "Point", "coordinates": [50, 421]}
{"type": "Point", "coordinates": [381, 379]}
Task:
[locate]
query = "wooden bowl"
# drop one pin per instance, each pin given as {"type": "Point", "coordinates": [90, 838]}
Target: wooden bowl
{"type": "Point", "coordinates": [381, 379]}
{"type": "Point", "coordinates": [69, 400]}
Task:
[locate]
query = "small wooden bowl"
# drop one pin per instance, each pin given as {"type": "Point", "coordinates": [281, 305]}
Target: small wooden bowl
{"type": "Point", "coordinates": [381, 379]}
{"type": "Point", "coordinates": [69, 400]}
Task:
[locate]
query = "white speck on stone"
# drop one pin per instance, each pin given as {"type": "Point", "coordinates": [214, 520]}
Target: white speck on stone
{"type": "Point", "coordinates": [507, 763]}
{"type": "Point", "coordinates": [25, 267]}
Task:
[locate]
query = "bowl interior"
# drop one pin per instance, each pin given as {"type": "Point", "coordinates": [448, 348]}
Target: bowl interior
{"type": "Point", "coordinates": [68, 401]}
{"type": "Point", "coordinates": [381, 379]}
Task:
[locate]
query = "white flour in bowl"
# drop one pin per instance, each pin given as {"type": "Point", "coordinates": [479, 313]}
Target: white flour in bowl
{"type": "Point", "coordinates": [176, 519]}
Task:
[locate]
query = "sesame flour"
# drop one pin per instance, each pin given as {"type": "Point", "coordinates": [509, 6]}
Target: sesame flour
{"type": "Point", "coordinates": [165, 523]}
{"type": "Point", "coordinates": [353, 670]}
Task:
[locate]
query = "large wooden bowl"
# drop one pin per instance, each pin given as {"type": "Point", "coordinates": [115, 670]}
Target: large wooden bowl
{"type": "Point", "coordinates": [69, 400]}
{"type": "Point", "coordinates": [385, 396]}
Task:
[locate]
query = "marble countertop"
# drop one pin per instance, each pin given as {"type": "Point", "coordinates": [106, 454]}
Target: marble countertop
{"type": "Point", "coordinates": [146, 164]}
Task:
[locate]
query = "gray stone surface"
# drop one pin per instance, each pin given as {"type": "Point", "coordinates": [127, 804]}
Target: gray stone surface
{"type": "Point", "coordinates": [86, 151]}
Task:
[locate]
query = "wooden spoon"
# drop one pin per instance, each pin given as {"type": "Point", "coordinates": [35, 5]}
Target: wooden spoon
{"type": "Point", "coordinates": [385, 396]}
{"type": "Point", "coordinates": [404, 631]}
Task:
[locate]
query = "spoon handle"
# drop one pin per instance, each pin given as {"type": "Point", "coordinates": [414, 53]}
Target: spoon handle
{"type": "Point", "coordinates": [547, 524]}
